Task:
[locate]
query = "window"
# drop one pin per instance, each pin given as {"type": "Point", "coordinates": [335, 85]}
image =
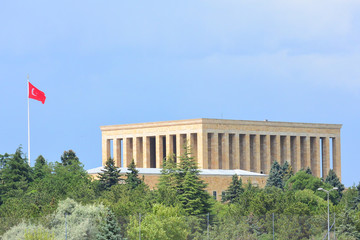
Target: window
{"type": "Point", "coordinates": [214, 195]}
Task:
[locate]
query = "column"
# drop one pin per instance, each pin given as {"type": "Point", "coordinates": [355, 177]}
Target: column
{"type": "Point", "coordinates": [203, 150]}
{"type": "Point", "coordinates": [105, 150]}
{"type": "Point", "coordinates": [146, 152]}
{"type": "Point", "coordinates": [127, 151]}
{"type": "Point", "coordinates": [267, 155]}
{"type": "Point", "coordinates": [325, 157]}
{"type": "Point", "coordinates": [307, 152]}
{"type": "Point", "coordinates": [257, 162]}
{"type": "Point", "coordinates": [225, 151]}
{"type": "Point", "coordinates": [159, 151]}
{"type": "Point", "coordinates": [278, 148]}
{"type": "Point", "coordinates": [288, 149]}
{"type": "Point", "coordinates": [336, 156]}
{"type": "Point", "coordinates": [180, 144]}
{"type": "Point", "coordinates": [117, 152]}
{"type": "Point", "coordinates": [315, 156]}
{"type": "Point", "coordinates": [169, 145]}
{"type": "Point", "coordinates": [236, 151]}
{"type": "Point", "coordinates": [138, 152]}
{"type": "Point", "coordinates": [247, 152]}
{"type": "Point", "coordinates": [215, 151]}
{"type": "Point", "coordinates": [297, 163]}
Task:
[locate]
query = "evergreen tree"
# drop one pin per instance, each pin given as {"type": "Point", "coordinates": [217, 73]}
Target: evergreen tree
{"type": "Point", "coordinates": [40, 167]}
{"type": "Point", "coordinates": [109, 230]}
{"type": "Point", "coordinates": [110, 175]}
{"type": "Point", "coordinates": [168, 182]}
{"type": "Point", "coordinates": [334, 181]}
{"type": "Point", "coordinates": [15, 175]}
{"type": "Point", "coordinates": [308, 171]}
{"type": "Point", "coordinates": [234, 190]}
{"type": "Point", "coordinates": [69, 157]}
{"type": "Point", "coordinates": [191, 189]}
{"type": "Point", "coordinates": [276, 176]}
{"type": "Point", "coordinates": [132, 179]}
{"type": "Point", "coordinates": [286, 171]}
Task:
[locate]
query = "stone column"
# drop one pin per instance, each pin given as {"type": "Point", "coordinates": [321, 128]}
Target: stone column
{"type": "Point", "coordinates": [336, 156]}
{"type": "Point", "coordinates": [325, 157]}
{"type": "Point", "coordinates": [297, 163]}
{"type": "Point", "coordinates": [105, 150]}
{"type": "Point", "coordinates": [278, 148]}
{"type": "Point", "coordinates": [203, 150]}
{"type": "Point", "coordinates": [247, 152]}
{"type": "Point", "coordinates": [180, 143]}
{"type": "Point", "coordinates": [307, 152]}
{"type": "Point", "coordinates": [138, 151]}
{"type": "Point", "coordinates": [267, 155]}
{"type": "Point", "coordinates": [159, 151]}
{"type": "Point", "coordinates": [236, 151]}
{"type": "Point", "coordinates": [117, 152]}
{"type": "Point", "coordinates": [127, 152]}
{"type": "Point", "coordinates": [257, 162]}
{"type": "Point", "coordinates": [169, 145]}
{"type": "Point", "coordinates": [146, 152]}
{"type": "Point", "coordinates": [225, 151]}
{"type": "Point", "coordinates": [215, 151]}
{"type": "Point", "coordinates": [288, 149]}
{"type": "Point", "coordinates": [315, 156]}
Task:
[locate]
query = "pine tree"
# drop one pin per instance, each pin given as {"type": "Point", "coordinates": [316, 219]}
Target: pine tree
{"type": "Point", "coordinates": [110, 175]}
{"type": "Point", "coordinates": [15, 175]}
{"type": "Point", "coordinates": [276, 176]}
{"type": "Point", "coordinates": [234, 190]}
{"type": "Point", "coordinates": [286, 171]}
{"type": "Point", "coordinates": [69, 157]}
{"type": "Point", "coordinates": [168, 182]}
{"type": "Point", "coordinates": [191, 189]}
{"type": "Point", "coordinates": [39, 167]}
{"type": "Point", "coordinates": [110, 229]}
{"type": "Point", "coordinates": [132, 180]}
{"type": "Point", "coordinates": [334, 181]}
{"type": "Point", "coordinates": [308, 171]}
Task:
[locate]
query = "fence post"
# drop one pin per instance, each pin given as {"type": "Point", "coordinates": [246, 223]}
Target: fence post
{"type": "Point", "coordinates": [208, 220]}
{"type": "Point", "coordinates": [139, 226]}
{"type": "Point", "coordinates": [65, 226]}
{"type": "Point", "coordinates": [273, 226]}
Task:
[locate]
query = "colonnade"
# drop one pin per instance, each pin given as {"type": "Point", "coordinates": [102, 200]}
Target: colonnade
{"type": "Point", "coordinates": [229, 150]}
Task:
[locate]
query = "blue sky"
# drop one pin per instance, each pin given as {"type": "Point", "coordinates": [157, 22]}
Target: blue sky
{"type": "Point", "coordinates": [115, 62]}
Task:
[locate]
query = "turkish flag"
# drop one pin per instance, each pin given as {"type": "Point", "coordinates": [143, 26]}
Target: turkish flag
{"type": "Point", "coordinates": [36, 94]}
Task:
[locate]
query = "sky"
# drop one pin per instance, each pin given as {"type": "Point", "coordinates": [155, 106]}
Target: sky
{"type": "Point", "coordinates": [116, 62]}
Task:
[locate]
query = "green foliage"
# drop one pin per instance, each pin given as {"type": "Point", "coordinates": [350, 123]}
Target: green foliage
{"type": "Point", "coordinates": [38, 234]}
{"type": "Point", "coordinates": [110, 175]}
{"type": "Point", "coordinates": [69, 157]}
{"type": "Point", "coordinates": [168, 183]}
{"type": "Point", "coordinates": [275, 176]}
{"type": "Point", "coordinates": [15, 175]}
{"type": "Point", "coordinates": [28, 231]}
{"type": "Point", "coordinates": [132, 180]}
{"type": "Point", "coordinates": [41, 168]}
{"type": "Point", "coordinates": [82, 220]}
{"type": "Point", "coordinates": [334, 181]}
{"type": "Point", "coordinates": [235, 189]}
{"type": "Point", "coordinates": [163, 223]}
{"type": "Point", "coordinates": [109, 230]}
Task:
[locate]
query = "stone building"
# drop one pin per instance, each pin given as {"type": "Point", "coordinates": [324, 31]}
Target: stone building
{"type": "Point", "coordinates": [251, 146]}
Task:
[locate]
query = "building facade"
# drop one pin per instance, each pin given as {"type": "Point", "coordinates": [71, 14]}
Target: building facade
{"type": "Point", "coordinates": [226, 144]}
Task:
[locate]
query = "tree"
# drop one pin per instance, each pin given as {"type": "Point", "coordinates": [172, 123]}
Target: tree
{"type": "Point", "coordinates": [109, 230]}
{"type": "Point", "coordinates": [168, 182]}
{"type": "Point", "coordinates": [40, 167]}
{"type": "Point", "coordinates": [334, 181]}
{"type": "Point", "coordinates": [308, 171]}
{"type": "Point", "coordinates": [234, 190]}
{"type": "Point", "coordinates": [110, 175]}
{"type": "Point", "coordinates": [276, 176]}
{"type": "Point", "coordinates": [69, 157]}
{"type": "Point", "coordinates": [191, 189]}
{"type": "Point", "coordinates": [132, 180]}
{"type": "Point", "coordinates": [15, 175]}
{"type": "Point", "coordinates": [286, 171]}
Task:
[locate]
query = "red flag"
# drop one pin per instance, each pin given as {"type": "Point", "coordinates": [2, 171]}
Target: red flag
{"type": "Point", "coordinates": [36, 94]}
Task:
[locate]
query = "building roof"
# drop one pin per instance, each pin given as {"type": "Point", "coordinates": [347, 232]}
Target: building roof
{"type": "Point", "coordinates": [157, 171]}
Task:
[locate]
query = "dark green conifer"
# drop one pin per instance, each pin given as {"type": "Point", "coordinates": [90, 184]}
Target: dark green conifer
{"type": "Point", "coordinates": [276, 176]}
{"type": "Point", "coordinates": [110, 175]}
{"type": "Point", "coordinates": [69, 157]}
{"type": "Point", "coordinates": [132, 179]}
{"type": "Point", "coordinates": [39, 167]}
{"type": "Point", "coordinates": [110, 230]}
{"type": "Point", "coordinates": [334, 181]}
{"type": "Point", "coordinates": [234, 190]}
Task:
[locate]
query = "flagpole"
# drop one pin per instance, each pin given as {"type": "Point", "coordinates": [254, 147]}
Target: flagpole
{"type": "Point", "coordinates": [28, 100]}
